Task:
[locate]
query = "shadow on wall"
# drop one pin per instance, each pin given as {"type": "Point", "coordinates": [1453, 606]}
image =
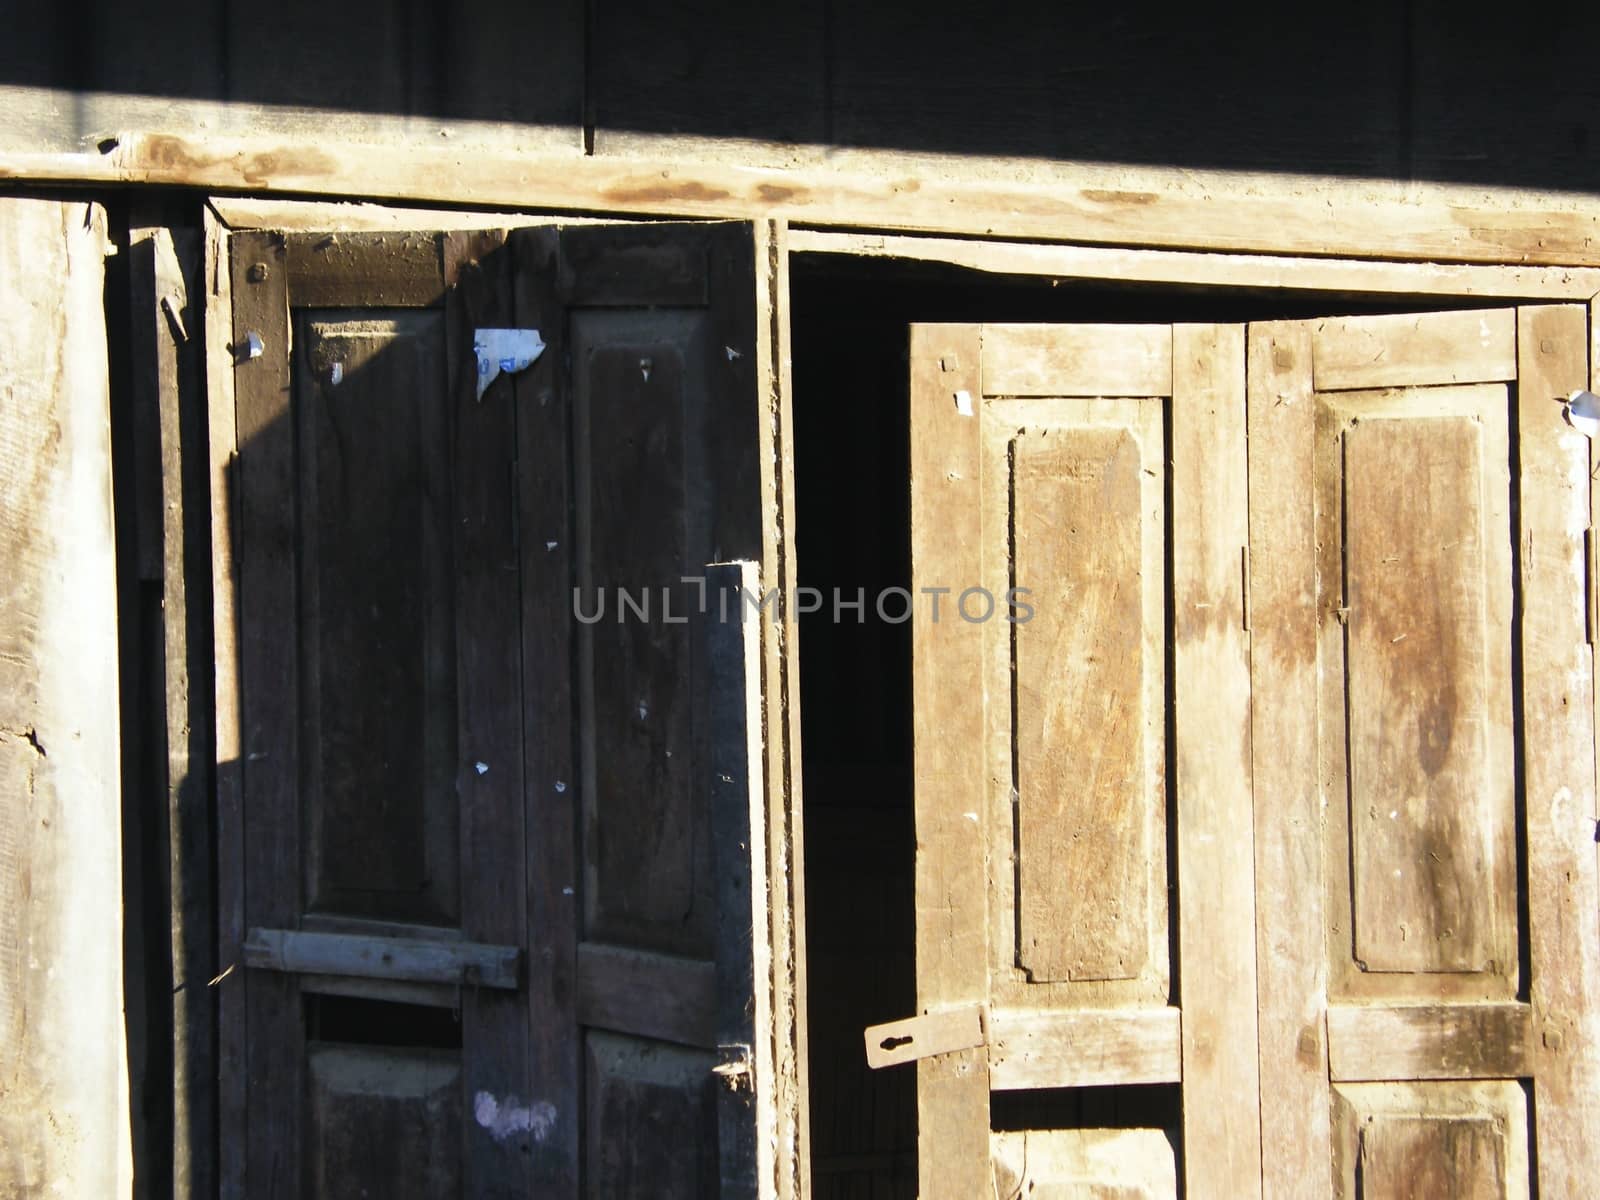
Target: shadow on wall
{"type": "Point", "coordinates": [1409, 91]}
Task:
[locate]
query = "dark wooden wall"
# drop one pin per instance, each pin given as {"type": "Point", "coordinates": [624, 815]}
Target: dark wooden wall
{"type": "Point", "coordinates": [1411, 90]}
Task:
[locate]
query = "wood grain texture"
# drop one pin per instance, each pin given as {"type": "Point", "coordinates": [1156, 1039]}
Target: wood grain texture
{"type": "Point", "coordinates": [64, 1050]}
{"type": "Point", "coordinates": [541, 398]}
{"type": "Point", "coordinates": [1077, 360]}
{"type": "Point", "coordinates": [418, 959]}
{"type": "Point", "coordinates": [1430, 1041]}
{"type": "Point", "coordinates": [1559, 750]}
{"type": "Point", "coordinates": [1105, 1164]}
{"type": "Point", "coordinates": [1086, 1048]}
{"type": "Point", "coordinates": [1083, 826]}
{"type": "Point", "coordinates": [1178, 266]}
{"type": "Point", "coordinates": [1431, 1139]}
{"type": "Point", "coordinates": [1422, 838]}
{"type": "Point", "coordinates": [1290, 965]}
{"type": "Point", "coordinates": [1215, 822]}
{"type": "Point", "coordinates": [1340, 220]}
{"type": "Point", "coordinates": [268, 689]}
{"type": "Point", "coordinates": [660, 996]}
{"type": "Point", "coordinates": [1414, 350]}
{"type": "Point", "coordinates": [948, 755]}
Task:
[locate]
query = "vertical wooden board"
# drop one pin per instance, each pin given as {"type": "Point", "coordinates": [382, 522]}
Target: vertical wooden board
{"type": "Point", "coordinates": [1454, 1138]}
{"type": "Point", "coordinates": [1083, 834]}
{"type": "Point", "coordinates": [1414, 349]}
{"type": "Point", "coordinates": [489, 709]}
{"type": "Point", "coordinates": [651, 1119]}
{"type": "Point", "coordinates": [382, 1121]}
{"type": "Point", "coordinates": [948, 753]}
{"type": "Point", "coordinates": [227, 733]}
{"type": "Point", "coordinates": [1291, 979]}
{"type": "Point", "coordinates": [1557, 702]}
{"type": "Point", "coordinates": [1211, 689]}
{"type": "Point", "coordinates": [641, 526]}
{"type": "Point", "coordinates": [1420, 782]}
{"type": "Point", "coordinates": [268, 688]}
{"type": "Point", "coordinates": [785, 825]}
{"type": "Point", "coordinates": [543, 404]}
{"type": "Point", "coordinates": [374, 471]}
{"type": "Point", "coordinates": [64, 1116]}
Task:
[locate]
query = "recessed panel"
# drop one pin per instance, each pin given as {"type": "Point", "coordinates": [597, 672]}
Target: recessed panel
{"type": "Point", "coordinates": [378, 643]}
{"type": "Point", "coordinates": [1455, 1139]}
{"type": "Point", "coordinates": [651, 1125]}
{"type": "Point", "coordinates": [1417, 693]}
{"type": "Point", "coordinates": [1083, 792]}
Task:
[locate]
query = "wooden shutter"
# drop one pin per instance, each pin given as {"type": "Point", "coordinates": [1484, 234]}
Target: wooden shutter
{"type": "Point", "coordinates": [454, 796]}
{"type": "Point", "coordinates": [1102, 469]}
{"type": "Point", "coordinates": [1423, 765]}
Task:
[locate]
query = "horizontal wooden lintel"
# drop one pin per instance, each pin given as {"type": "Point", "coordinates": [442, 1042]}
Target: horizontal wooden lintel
{"type": "Point", "coordinates": [1429, 1041]}
{"type": "Point", "coordinates": [1084, 1048]}
{"type": "Point", "coordinates": [416, 960]}
{"type": "Point", "coordinates": [1353, 219]}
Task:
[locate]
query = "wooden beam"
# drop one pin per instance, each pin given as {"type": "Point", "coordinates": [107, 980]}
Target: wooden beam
{"type": "Point", "coordinates": [1414, 350]}
{"type": "Point", "coordinates": [1429, 1041]}
{"type": "Point", "coordinates": [1330, 219]}
{"type": "Point", "coordinates": [417, 960]}
{"type": "Point", "coordinates": [647, 995]}
{"type": "Point", "coordinates": [1087, 1048]}
{"type": "Point", "coordinates": [1207, 268]}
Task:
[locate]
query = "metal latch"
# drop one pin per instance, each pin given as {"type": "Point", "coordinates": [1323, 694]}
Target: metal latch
{"type": "Point", "coordinates": [941, 1032]}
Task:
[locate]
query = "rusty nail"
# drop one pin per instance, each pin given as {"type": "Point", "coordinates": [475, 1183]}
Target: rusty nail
{"type": "Point", "coordinates": [257, 273]}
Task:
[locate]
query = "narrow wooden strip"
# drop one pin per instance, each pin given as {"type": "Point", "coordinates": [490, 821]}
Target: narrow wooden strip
{"type": "Point", "coordinates": [922, 1036]}
{"type": "Point", "coordinates": [948, 755]}
{"type": "Point", "coordinates": [541, 400]}
{"type": "Point", "coordinates": [226, 736]}
{"type": "Point", "coordinates": [416, 959]}
{"type": "Point", "coordinates": [1413, 350]}
{"type": "Point", "coordinates": [647, 995]}
{"type": "Point", "coordinates": [739, 861]}
{"type": "Point", "coordinates": [1077, 360]}
{"type": "Point", "coordinates": [1429, 1041]}
{"type": "Point", "coordinates": [1439, 225]}
{"type": "Point", "coordinates": [1558, 733]}
{"type": "Point", "coordinates": [1215, 824]}
{"type": "Point", "coordinates": [1291, 970]}
{"type": "Point", "coordinates": [1204, 269]}
{"type": "Point", "coordinates": [1086, 1048]}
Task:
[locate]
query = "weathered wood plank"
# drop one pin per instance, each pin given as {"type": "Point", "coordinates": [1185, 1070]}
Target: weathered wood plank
{"type": "Point", "coordinates": [1346, 220]}
{"type": "Point", "coordinates": [64, 1120]}
{"type": "Point", "coordinates": [941, 1032]}
{"type": "Point", "coordinates": [1422, 838]}
{"type": "Point", "coordinates": [743, 1006]}
{"type": "Point", "coordinates": [1206, 269]}
{"type": "Point", "coordinates": [948, 755]}
{"type": "Point", "coordinates": [650, 1119]}
{"type": "Point", "coordinates": [1457, 1138]}
{"type": "Point", "coordinates": [1558, 733]}
{"type": "Point", "coordinates": [542, 401]}
{"type": "Point", "coordinates": [1083, 825]}
{"type": "Point", "coordinates": [421, 960]}
{"type": "Point", "coordinates": [1106, 1164]}
{"type": "Point", "coordinates": [1474, 346]}
{"type": "Point", "coordinates": [365, 270]}
{"type": "Point", "coordinates": [1084, 1048]}
{"type": "Point", "coordinates": [1077, 360]}
{"type": "Point", "coordinates": [1430, 1041]}
{"type": "Point", "coordinates": [269, 692]}
{"type": "Point", "coordinates": [1211, 721]}
{"type": "Point", "coordinates": [488, 616]}
{"type": "Point", "coordinates": [636, 992]}
{"type": "Point", "coordinates": [1290, 962]}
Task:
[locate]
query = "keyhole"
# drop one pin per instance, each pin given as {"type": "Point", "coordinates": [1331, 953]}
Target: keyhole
{"type": "Point", "coordinates": [894, 1043]}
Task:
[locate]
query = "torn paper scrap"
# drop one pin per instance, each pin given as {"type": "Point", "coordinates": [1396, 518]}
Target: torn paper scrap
{"type": "Point", "coordinates": [508, 350]}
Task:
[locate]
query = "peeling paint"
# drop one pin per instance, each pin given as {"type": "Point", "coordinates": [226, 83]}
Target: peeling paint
{"type": "Point", "coordinates": [506, 1119]}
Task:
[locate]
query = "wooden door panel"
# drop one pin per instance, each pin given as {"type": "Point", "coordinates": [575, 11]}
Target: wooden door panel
{"type": "Point", "coordinates": [1413, 349]}
{"type": "Point", "coordinates": [1419, 1140]}
{"type": "Point", "coordinates": [652, 1119]}
{"type": "Point", "coordinates": [1084, 1164]}
{"type": "Point", "coordinates": [1074, 508]}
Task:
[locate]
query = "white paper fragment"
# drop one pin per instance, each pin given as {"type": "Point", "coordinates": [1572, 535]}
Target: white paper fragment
{"type": "Point", "coordinates": [560, 786]}
{"type": "Point", "coordinates": [964, 403]}
{"type": "Point", "coordinates": [254, 347]}
{"type": "Point", "coordinates": [336, 374]}
{"type": "Point", "coordinates": [1583, 413]}
{"type": "Point", "coordinates": [551, 545]}
{"type": "Point", "coordinates": [566, 891]}
{"type": "Point", "coordinates": [481, 768]}
{"type": "Point", "coordinates": [643, 710]}
{"type": "Point", "coordinates": [507, 350]}
{"type": "Point", "coordinates": [732, 353]}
